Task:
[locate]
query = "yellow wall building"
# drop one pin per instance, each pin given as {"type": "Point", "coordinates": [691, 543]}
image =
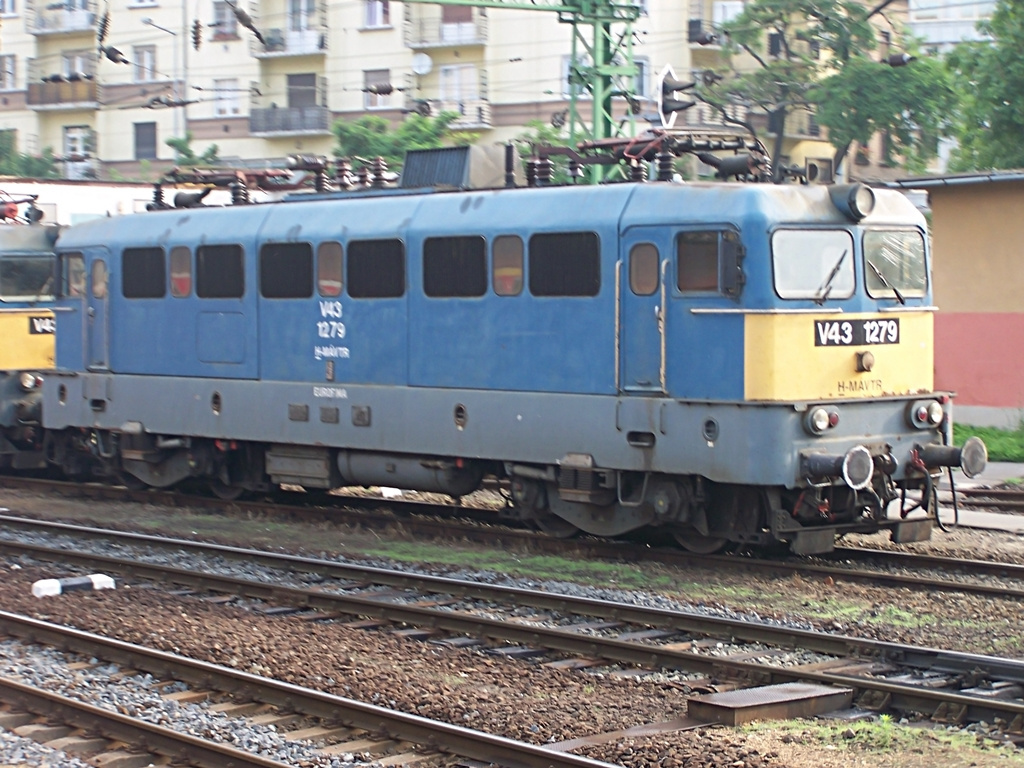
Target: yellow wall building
{"type": "Point", "coordinates": [261, 99]}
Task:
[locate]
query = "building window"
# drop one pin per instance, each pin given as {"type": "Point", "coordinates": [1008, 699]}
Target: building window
{"type": "Point", "coordinates": [77, 141]}
{"type": "Point", "coordinates": [376, 77]}
{"type": "Point", "coordinates": [144, 63]}
{"type": "Point", "coordinates": [454, 267]}
{"type": "Point", "coordinates": [225, 25]}
{"type": "Point", "coordinates": [302, 91]}
{"type": "Point", "coordinates": [8, 7]}
{"type": "Point", "coordinates": [573, 78]}
{"type": "Point", "coordinates": [143, 273]}
{"type": "Point", "coordinates": [78, 63]}
{"type": "Point", "coordinates": [376, 269]}
{"type": "Point", "coordinates": [642, 83]}
{"type": "Point", "coordinates": [225, 97]}
{"type": "Point", "coordinates": [459, 84]}
{"type": "Point", "coordinates": [377, 13]}
{"type": "Point", "coordinates": [565, 264]}
{"type": "Point", "coordinates": [145, 141]}
{"type": "Point", "coordinates": [220, 273]}
{"type": "Point", "coordinates": [286, 271]}
{"type": "Point", "coordinates": [7, 72]}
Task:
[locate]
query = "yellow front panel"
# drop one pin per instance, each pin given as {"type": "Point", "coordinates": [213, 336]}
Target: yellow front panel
{"type": "Point", "coordinates": [783, 361]}
{"type": "Point", "coordinates": [26, 339]}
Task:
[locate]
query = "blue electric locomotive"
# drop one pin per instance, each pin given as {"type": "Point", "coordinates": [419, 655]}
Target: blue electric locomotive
{"type": "Point", "coordinates": [725, 362]}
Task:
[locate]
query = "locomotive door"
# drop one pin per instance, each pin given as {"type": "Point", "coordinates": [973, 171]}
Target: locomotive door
{"type": "Point", "coordinates": [641, 311]}
{"type": "Point", "coordinates": [97, 328]}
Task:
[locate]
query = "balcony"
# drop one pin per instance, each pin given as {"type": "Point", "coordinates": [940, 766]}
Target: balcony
{"type": "Point", "coordinates": [290, 42]}
{"type": "Point", "coordinates": [427, 27]}
{"type": "Point", "coordinates": [57, 18]}
{"type": "Point", "coordinates": [289, 121]}
{"type": "Point", "coordinates": [52, 94]}
{"type": "Point", "coordinates": [475, 113]}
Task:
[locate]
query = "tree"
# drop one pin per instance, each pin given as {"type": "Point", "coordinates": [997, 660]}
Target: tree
{"type": "Point", "coordinates": [991, 78]}
{"type": "Point", "coordinates": [815, 56]}
{"type": "Point", "coordinates": [14, 163]}
{"type": "Point", "coordinates": [372, 136]}
{"type": "Point", "coordinates": [912, 104]}
{"type": "Point", "coordinates": [183, 149]}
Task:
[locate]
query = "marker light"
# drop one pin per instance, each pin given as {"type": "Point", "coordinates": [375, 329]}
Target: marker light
{"type": "Point", "coordinates": [925, 414]}
{"type": "Point", "coordinates": [29, 381]}
{"type": "Point", "coordinates": [820, 419]}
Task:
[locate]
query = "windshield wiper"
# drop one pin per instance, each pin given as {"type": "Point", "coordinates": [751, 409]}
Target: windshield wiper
{"type": "Point", "coordinates": [885, 283]}
{"type": "Point", "coordinates": [826, 287]}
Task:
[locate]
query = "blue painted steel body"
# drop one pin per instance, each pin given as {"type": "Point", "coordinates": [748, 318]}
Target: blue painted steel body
{"type": "Point", "coordinates": [536, 375]}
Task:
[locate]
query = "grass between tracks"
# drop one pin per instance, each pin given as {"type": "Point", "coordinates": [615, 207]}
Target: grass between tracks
{"type": "Point", "coordinates": [1003, 444]}
{"type": "Point", "coordinates": [884, 742]}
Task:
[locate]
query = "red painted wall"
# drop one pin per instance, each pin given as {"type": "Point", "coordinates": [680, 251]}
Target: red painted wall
{"type": "Point", "coordinates": [980, 355]}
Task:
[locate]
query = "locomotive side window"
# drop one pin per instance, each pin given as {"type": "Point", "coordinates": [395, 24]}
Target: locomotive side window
{"type": "Point", "coordinates": [220, 272]}
{"type": "Point", "coordinates": [697, 261]}
{"type": "Point", "coordinates": [454, 267]}
{"type": "Point", "coordinates": [286, 271]}
{"type": "Point", "coordinates": [26, 277]}
{"type": "Point", "coordinates": [181, 271]}
{"type": "Point", "coordinates": [74, 274]}
{"type": "Point", "coordinates": [329, 268]}
{"type": "Point", "coordinates": [565, 264]}
{"type": "Point", "coordinates": [814, 264]}
{"type": "Point", "coordinates": [376, 269]}
{"type": "Point", "coordinates": [894, 261]}
{"type": "Point", "coordinates": [643, 269]}
{"type": "Point", "coordinates": [143, 273]}
{"type": "Point", "coordinates": [508, 265]}
{"type": "Point", "coordinates": [99, 279]}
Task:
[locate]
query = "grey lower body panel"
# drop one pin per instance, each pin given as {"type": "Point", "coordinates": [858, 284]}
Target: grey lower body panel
{"type": "Point", "coordinates": [752, 444]}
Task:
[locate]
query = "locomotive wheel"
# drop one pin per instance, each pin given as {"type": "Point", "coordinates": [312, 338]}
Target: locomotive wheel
{"type": "Point", "coordinates": [224, 491]}
{"type": "Point", "coordinates": [554, 526]}
{"type": "Point", "coordinates": [692, 541]}
{"type": "Point", "coordinates": [131, 482]}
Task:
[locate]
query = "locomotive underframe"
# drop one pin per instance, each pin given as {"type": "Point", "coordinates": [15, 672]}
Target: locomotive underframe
{"type": "Point", "coordinates": [601, 464]}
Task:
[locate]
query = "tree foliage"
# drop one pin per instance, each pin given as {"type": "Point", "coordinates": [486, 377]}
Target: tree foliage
{"type": "Point", "coordinates": [372, 136]}
{"type": "Point", "coordinates": [816, 56]}
{"type": "Point", "coordinates": [991, 75]}
{"type": "Point", "coordinates": [13, 163]}
{"type": "Point", "coordinates": [183, 147]}
{"type": "Point", "coordinates": [913, 104]}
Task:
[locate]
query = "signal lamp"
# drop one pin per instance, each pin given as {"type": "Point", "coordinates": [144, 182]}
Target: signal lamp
{"type": "Point", "coordinates": [667, 87]}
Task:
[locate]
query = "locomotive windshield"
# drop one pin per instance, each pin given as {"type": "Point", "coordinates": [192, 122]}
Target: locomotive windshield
{"type": "Point", "coordinates": [26, 278]}
{"type": "Point", "coordinates": [895, 263]}
{"type": "Point", "coordinates": [813, 264]}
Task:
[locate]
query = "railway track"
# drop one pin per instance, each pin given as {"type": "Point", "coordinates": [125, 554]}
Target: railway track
{"type": "Point", "coordinates": [1010, 500]}
{"type": "Point", "coordinates": [355, 726]}
{"type": "Point", "coordinates": [946, 685]}
{"type": "Point", "coordinates": [431, 520]}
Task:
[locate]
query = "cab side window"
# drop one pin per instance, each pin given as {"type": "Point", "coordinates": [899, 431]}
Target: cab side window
{"type": "Point", "coordinates": [73, 278]}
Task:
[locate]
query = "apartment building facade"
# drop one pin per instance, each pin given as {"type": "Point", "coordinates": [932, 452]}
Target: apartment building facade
{"type": "Point", "coordinates": [269, 81]}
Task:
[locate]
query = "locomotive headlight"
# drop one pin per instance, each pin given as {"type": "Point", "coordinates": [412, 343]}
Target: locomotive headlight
{"type": "Point", "coordinates": [29, 381]}
{"type": "Point", "coordinates": [935, 413]}
{"type": "Point", "coordinates": [819, 419]}
{"type": "Point", "coordinates": [855, 201]}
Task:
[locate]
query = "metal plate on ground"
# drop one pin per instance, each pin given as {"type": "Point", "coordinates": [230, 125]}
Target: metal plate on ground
{"type": "Point", "coordinates": [769, 702]}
